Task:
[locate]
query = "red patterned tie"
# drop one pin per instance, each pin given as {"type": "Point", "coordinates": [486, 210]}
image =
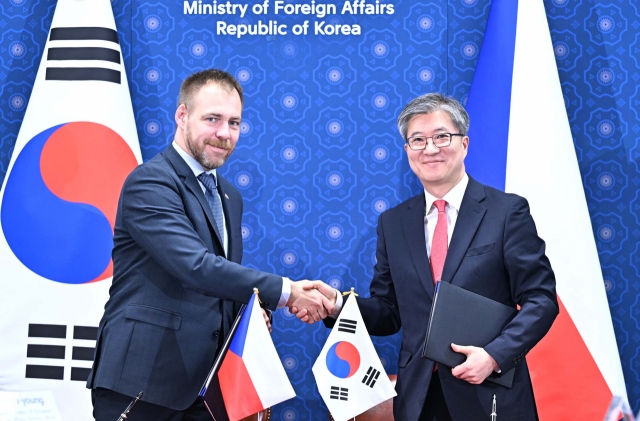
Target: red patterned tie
{"type": "Point", "coordinates": [439, 244]}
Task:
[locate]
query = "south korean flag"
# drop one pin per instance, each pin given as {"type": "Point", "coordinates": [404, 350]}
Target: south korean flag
{"type": "Point", "coordinates": [77, 144]}
{"type": "Point", "coordinates": [348, 372]}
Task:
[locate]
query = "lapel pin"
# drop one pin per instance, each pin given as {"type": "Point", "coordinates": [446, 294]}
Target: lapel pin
{"type": "Point", "coordinates": [225, 195]}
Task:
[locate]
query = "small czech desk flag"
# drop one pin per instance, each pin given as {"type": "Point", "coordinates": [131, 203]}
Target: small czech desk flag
{"type": "Point", "coordinates": [348, 372]}
{"type": "Point", "coordinates": [251, 375]}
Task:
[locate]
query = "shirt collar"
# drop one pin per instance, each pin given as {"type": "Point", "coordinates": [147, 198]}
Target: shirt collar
{"type": "Point", "coordinates": [453, 196]}
{"type": "Point", "coordinates": [191, 162]}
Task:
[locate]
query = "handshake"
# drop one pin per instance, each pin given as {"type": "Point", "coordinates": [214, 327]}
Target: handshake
{"type": "Point", "coordinates": [312, 301]}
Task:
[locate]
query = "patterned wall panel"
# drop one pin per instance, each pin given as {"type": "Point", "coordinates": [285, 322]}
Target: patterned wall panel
{"type": "Point", "coordinates": [320, 158]}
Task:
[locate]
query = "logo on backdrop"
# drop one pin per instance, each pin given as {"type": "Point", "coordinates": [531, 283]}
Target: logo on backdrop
{"type": "Point", "coordinates": [60, 200]}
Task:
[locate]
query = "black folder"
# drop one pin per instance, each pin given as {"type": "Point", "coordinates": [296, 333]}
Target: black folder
{"type": "Point", "coordinates": [464, 318]}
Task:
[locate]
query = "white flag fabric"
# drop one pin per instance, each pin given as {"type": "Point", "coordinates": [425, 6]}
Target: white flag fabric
{"type": "Point", "coordinates": [348, 372]}
{"type": "Point", "coordinates": [525, 146]}
{"type": "Point", "coordinates": [76, 145]}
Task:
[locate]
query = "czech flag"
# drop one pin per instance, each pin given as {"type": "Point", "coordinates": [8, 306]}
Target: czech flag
{"type": "Point", "coordinates": [251, 375]}
{"type": "Point", "coordinates": [521, 143]}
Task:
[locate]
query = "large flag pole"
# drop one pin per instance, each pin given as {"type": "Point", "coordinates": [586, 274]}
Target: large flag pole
{"type": "Point", "coordinates": [576, 368]}
{"type": "Point", "coordinates": [76, 145]}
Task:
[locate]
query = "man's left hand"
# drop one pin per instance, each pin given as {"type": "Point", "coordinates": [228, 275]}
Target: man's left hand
{"type": "Point", "coordinates": [478, 366]}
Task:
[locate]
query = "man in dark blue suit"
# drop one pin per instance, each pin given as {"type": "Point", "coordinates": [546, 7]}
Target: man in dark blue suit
{"type": "Point", "coordinates": [470, 235]}
{"type": "Point", "coordinates": [178, 283]}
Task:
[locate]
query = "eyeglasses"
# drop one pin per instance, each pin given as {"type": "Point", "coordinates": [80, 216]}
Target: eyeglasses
{"type": "Point", "coordinates": [440, 140]}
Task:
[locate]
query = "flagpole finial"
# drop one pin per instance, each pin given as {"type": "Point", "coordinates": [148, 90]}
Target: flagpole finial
{"type": "Point", "coordinates": [255, 291]}
{"type": "Point", "coordinates": [350, 292]}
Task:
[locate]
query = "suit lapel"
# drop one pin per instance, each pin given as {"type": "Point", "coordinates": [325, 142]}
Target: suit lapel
{"type": "Point", "coordinates": [469, 218]}
{"type": "Point", "coordinates": [190, 181]}
{"type": "Point", "coordinates": [413, 226]}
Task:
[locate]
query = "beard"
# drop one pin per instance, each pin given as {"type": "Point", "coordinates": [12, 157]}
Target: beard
{"type": "Point", "coordinates": [199, 152]}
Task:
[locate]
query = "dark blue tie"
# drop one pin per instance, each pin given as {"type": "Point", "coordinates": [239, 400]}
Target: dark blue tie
{"type": "Point", "coordinates": [211, 193]}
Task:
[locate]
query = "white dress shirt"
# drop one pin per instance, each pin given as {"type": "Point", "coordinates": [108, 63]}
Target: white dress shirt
{"type": "Point", "coordinates": [454, 200]}
{"type": "Point", "coordinates": [197, 170]}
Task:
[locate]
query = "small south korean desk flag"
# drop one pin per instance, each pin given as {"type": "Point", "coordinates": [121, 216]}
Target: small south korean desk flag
{"type": "Point", "coordinates": [348, 372]}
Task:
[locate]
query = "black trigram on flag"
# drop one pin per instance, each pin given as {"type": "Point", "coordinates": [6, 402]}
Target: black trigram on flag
{"type": "Point", "coordinates": [339, 393]}
{"type": "Point", "coordinates": [53, 334]}
{"type": "Point", "coordinates": [371, 377]}
{"type": "Point", "coordinates": [59, 55]}
{"type": "Point", "coordinates": [346, 325]}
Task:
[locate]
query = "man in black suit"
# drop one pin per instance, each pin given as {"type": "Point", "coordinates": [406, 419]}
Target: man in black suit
{"type": "Point", "coordinates": [470, 235]}
{"type": "Point", "coordinates": [178, 282]}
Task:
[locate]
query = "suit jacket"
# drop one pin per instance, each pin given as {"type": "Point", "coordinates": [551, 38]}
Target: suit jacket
{"type": "Point", "coordinates": [174, 291]}
{"type": "Point", "coordinates": [494, 251]}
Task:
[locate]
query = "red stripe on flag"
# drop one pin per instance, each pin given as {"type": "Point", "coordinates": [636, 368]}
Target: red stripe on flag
{"type": "Point", "coordinates": [239, 394]}
{"type": "Point", "coordinates": [566, 380]}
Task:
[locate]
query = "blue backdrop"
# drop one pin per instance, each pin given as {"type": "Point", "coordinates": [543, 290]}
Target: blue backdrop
{"type": "Point", "coordinates": [319, 157]}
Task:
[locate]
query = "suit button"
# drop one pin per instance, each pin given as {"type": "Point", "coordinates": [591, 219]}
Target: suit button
{"type": "Point", "coordinates": [216, 333]}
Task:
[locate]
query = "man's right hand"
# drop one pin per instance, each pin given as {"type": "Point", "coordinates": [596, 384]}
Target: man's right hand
{"type": "Point", "coordinates": [327, 291]}
{"type": "Point", "coordinates": [305, 295]}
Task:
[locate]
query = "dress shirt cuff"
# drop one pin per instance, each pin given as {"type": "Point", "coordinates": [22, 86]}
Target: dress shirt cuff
{"type": "Point", "coordinates": [496, 367]}
{"type": "Point", "coordinates": [286, 292]}
{"type": "Point", "coordinates": [337, 308]}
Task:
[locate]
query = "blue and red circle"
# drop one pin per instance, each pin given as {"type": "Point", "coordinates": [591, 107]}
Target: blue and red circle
{"type": "Point", "coordinates": [60, 201]}
{"type": "Point", "coordinates": [343, 359]}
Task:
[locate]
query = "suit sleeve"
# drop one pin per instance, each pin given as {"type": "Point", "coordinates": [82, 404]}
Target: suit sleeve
{"type": "Point", "coordinates": [154, 215]}
{"type": "Point", "coordinates": [379, 311]}
{"type": "Point", "coordinates": [532, 284]}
